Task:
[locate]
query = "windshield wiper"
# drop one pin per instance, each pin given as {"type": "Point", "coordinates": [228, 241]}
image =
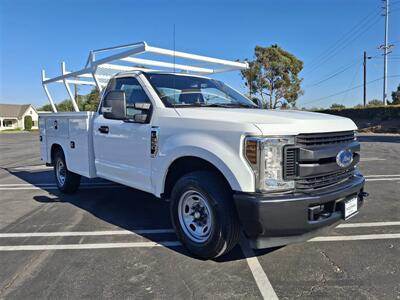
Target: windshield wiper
{"type": "Point", "coordinates": [224, 105]}
{"type": "Point", "coordinates": [228, 105]}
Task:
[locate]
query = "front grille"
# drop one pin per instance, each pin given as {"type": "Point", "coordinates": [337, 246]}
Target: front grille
{"type": "Point", "coordinates": [320, 139]}
{"type": "Point", "coordinates": [294, 163]}
{"type": "Point", "coordinates": [321, 181]}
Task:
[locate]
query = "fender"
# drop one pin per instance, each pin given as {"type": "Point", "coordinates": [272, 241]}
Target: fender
{"type": "Point", "coordinates": [50, 155]}
{"type": "Point", "coordinates": [218, 152]}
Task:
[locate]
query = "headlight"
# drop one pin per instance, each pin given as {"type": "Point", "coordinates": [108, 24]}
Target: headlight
{"type": "Point", "coordinates": [265, 156]}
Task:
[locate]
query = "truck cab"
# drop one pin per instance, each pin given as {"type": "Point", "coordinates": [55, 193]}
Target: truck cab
{"type": "Point", "coordinates": [225, 166]}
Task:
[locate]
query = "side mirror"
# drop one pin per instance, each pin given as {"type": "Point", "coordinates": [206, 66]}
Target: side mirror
{"type": "Point", "coordinates": [114, 105]}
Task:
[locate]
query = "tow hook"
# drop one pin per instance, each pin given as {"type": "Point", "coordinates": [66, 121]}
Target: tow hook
{"type": "Point", "coordinates": [363, 195]}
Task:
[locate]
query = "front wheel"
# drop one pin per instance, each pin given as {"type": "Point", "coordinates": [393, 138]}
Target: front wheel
{"type": "Point", "coordinates": [67, 181]}
{"type": "Point", "coordinates": [203, 214]}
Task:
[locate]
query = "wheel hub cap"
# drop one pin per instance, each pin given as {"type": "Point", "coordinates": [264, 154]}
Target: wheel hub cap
{"type": "Point", "coordinates": [195, 216]}
{"type": "Point", "coordinates": [60, 172]}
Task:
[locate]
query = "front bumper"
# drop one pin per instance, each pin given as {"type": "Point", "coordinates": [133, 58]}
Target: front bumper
{"type": "Point", "coordinates": [271, 220]}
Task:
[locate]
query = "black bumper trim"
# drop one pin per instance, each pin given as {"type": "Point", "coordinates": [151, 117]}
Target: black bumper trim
{"type": "Point", "coordinates": [272, 220]}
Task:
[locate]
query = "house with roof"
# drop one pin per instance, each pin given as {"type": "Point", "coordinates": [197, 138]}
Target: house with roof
{"type": "Point", "coordinates": [12, 116]}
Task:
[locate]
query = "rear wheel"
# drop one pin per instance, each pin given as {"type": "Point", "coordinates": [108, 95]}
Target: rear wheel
{"type": "Point", "coordinates": [67, 181]}
{"type": "Point", "coordinates": [203, 214]}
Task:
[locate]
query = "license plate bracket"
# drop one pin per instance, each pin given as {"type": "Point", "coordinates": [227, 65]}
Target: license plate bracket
{"type": "Point", "coordinates": [350, 207]}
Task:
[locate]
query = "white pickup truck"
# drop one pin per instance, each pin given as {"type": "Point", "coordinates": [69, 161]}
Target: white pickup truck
{"type": "Point", "coordinates": [225, 165]}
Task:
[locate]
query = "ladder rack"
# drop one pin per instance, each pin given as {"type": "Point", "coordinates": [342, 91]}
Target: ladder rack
{"type": "Point", "coordinates": [97, 72]}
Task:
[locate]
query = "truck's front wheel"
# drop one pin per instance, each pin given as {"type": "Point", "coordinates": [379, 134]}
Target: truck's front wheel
{"type": "Point", "coordinates": [67, 181]}
{"type": "Point", "coordinates": [203, 214]}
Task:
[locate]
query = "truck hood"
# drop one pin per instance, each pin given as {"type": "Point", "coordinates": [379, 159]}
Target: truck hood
{"type": "Point", "coordinates": [272, 122]}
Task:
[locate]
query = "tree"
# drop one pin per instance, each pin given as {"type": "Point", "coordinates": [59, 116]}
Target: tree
{"type": "Point", "coordinates": [27, 122]}
{"type": "Point", "coordinates": [337, 106]}
{"type": "Point", "coordinates": [273, 77]}
{"type": "Point", "coordinates": [88, 102]}
{"type": "Point", "coordinates": [396, 96]}
{"type": "Point", "coordinates": [46, 107]}
{"type": "Point", "coordinates": [92, 101]}
{"type": "Point", "coordinates": [374, 103]}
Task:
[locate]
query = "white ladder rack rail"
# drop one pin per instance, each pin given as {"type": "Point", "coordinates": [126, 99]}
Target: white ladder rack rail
{"type": "Point", "coordinates": [93, 68]}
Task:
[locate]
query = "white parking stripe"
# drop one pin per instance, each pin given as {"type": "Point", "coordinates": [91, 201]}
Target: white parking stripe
{"type": "Point", "coordinates": [393, 175]}
{"type": "Point", "coordinates": [262, 281]}
{"type": "Point", "coordinates": [55, 187]}
{"type": "Point", "coordinates": [382, 179]}
{"type": "Point", "coordinates": [51, 184]}
{"type": "Point", "coordinates": [382, 236]}
{"type": "Point", "coordinates": [371, 224]}
{"type": "Point", "coordinates": [31, 168]}
{"type": "Point", "coordinates": [85, 233]}
{"type": "Point", "coordinates": [371, 159]}
{"type": "Point", "coordinates": [157, 231]}
{"type": "Point", "coordinates": [90, 246]}
{"type": "Point", "coordinates": [12, 187]}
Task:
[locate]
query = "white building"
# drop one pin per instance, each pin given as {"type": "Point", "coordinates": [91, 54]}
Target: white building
{"type": "Point", "coordinates": [12, 116]}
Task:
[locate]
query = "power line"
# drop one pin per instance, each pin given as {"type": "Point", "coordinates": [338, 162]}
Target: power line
{"type": "Point", "coordinates": [354, 79]}
{"type": "Point", "coordinates": [354, 30]}
{"type": "Point", "coordinates": [348, 41]}
{"type": "Point", "coordinates": [333, 75]}
{"type": "Point", "coordinates": [345, 36]}
{"type": "Point", "coordinates": [347, 90]}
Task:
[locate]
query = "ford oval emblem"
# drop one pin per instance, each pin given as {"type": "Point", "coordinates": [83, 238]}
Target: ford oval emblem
{"type": "Point", "coordinates": [344, 158]}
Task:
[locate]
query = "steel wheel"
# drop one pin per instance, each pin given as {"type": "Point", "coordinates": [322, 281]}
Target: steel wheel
{"type": "Point", "coordinates": [61, 172]}
{"type": "Point", "coordinates": [195, 216]}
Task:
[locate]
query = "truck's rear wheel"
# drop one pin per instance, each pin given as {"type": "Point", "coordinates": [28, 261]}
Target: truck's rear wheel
{"type": "Point", "coordinates": [203, 214]}
{"type": "Point", "coordinates": [67, 181]}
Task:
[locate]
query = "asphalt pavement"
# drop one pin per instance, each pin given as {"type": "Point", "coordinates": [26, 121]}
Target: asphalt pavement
{"type": "Point", "coordinates": [110, 241]}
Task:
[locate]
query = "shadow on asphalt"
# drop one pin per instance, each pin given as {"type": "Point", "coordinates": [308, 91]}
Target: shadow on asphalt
{"type": "Point", "coordinates": [121, 206]}
{"type": "Point", "coordinates": [379, 138]}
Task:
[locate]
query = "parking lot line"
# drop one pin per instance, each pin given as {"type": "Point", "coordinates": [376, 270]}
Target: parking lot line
{"type": "Point", "coordinates": [382, 236]}
{"type": "Point", "coordinates": [30, 168]}
{"type": "Point", "coordinates": [52, 184]}
{"type": "Point", "coordinates": [383, 179]}
{"type": "Point", "coordinates": [371, 224]}
{"type": "Point", "coordinates": [90, 246]}
{"type": "Point", "coordinates": [262, 281]}
{"type": "Point", "coordinates": [86, 233]}
{"type": "Point", "coordinates": [156, 231]}
{"type": "Point", "coordinates": [54, 187]}
{"type": "Point", "coordinates": [392, 175]}
{"type": "Point", "coordinates": [371, 159]}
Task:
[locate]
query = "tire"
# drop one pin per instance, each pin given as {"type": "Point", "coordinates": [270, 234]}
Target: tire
{"type": "Point", "coordinates": [196, 199]}
{"type": "Point", "coordinates": [67, 181]}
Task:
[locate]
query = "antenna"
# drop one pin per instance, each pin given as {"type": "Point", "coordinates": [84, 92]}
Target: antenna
{"type": "Point", "coordinates": [173, 44]}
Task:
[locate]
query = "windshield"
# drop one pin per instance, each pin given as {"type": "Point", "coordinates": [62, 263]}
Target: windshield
{"type": "Point", "coordinates": [189, 91]}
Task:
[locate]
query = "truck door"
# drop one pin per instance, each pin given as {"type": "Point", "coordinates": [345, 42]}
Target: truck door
{"type": "Point", "coordinates": [122, 149]}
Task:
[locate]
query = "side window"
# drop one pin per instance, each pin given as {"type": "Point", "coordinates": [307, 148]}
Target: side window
{"type": "Point", "coordinates": [134, 94]}
{"type": "Point", "coordinates": [133, 91]}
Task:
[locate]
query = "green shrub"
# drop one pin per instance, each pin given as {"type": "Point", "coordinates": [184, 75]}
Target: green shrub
{"type": "Point", "coordinates": [368, 113]}
{"type": "Point", "coordinates": [28, 122]}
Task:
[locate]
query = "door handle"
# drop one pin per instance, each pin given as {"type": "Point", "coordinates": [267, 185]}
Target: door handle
{"type": "Point", "coordinates": [104, 129]}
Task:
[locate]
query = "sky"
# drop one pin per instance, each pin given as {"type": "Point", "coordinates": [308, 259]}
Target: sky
{"type": "Point", "coordinates": [329, 36]}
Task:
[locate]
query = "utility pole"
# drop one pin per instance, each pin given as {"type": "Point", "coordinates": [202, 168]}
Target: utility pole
{"type": "Point", "coordinates": [385, 52]}
{"type": "Point", "coordinates": [365, 78]}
